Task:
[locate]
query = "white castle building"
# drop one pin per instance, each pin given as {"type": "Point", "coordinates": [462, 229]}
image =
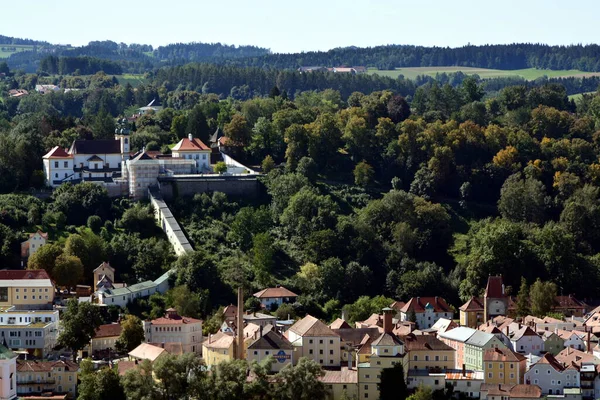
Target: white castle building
{"type": "Point", "coordinates": [110, 163]}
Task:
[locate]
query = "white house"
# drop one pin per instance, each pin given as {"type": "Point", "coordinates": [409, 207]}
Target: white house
{"type": "Point", "coordinates": [192, 148]}
{"type": "Point", "coordinates": [33, 244]}
{"type": "Point", "coordinates": [173, 328]}
{"type": "Point", "coordinates": [8, 374]}
{"type": "Point", "coordinates": [275, 296]}
{"type": "Point", "coordinates": [572, 339]}
{"type": "Point", "coordinates": [526, 341]}
{"type": "Point", "coordinates": [109, 295]}
{"type": "Point", "coordinates": [552, 376]}
{"type": "Point", "coordinates": [313, 339]}
{"type": "Point", "coordinates": [427, 311]}
{"type": "Point", "coordinates": [271, 344]}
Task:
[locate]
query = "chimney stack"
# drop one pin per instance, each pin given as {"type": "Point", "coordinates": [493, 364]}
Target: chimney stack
{"type": "Point", "coordinates": [464, 370]}
{"type": "Point", "coordinates": [388, 326]}
{"type": "Point", "coordinates": [240, 325]}
{"type": "Point", "coordinates": [190, 136]}
{"type": "Point", "coordinates": [588, 343]}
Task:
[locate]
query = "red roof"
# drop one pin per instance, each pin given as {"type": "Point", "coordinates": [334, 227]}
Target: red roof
{"type": "Point", "coordinates": [172, 318]}
{"type": "Point", "coordinates": [276, 292]}
{"type": "Point", "coordinates": [108, 330]}
{"type": "Point", "coordinates": [57, 152]}
{"type": "Point", "coordinates": [502, 354]}
{"type": "Point", "coordinates": [417, 304]}
{"type": "Point", "coordinates": [495, 287]}
{"type": "Point", "coordinates": [473, 304]}
{"type": "Point", "coordinates": [12, 274]}
{"type": "Point", "coordinates": [42, 234]}
{"type": "Point", "coordinates": [194, 144]}
{"type": "Point", "coordinates": [569, 302]}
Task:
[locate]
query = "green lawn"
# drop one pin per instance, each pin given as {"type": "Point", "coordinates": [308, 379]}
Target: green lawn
{"type": "Point", "coordinates": [5, 52]}
{"type": "Point", "coordinates": [134, 79]}
{"type": "Point", "coordinates": [578, 96]}
{"type": "Point", "coordinates": [529, 73]}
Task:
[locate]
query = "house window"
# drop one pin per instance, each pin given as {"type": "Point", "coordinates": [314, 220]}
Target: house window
{"type": "Point", "coordinates": [321, 341]}
{"type": "Point", "coordinates": [56, 175]}
{"type": "Point", "coordinates": [66, 164]}
{"type": "Point", "coordinates": [415, 358]}
{"type": "Point", "coordinates": [55, 164]}
{"type": "Point", "coordinates": [310, 341]}
{"type": "Point", "coordinates": [3, 294]}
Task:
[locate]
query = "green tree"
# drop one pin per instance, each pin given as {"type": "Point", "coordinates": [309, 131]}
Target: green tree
{"type": "Point", "coordinates": [94, 222]}
{"type": "Point", "coordinates": [132, 334]}
{"type": "Point", "coordinates": [139, 383]}
{"type": "Point", "coordinates": [173, 374]}
{"type": "Point", "coordinates": [67, 271]}
{"type": "Point", "coordinates": [522, 303]}
{"type": "Point", "coordinates": [252, 304]}
{"type": "Point", "coordinates": [79, 323]}
{"type": "Point", "coordinates": [237, 130]}
{"type": "Point", "coordinates": [186, 302]}
{"type": "Point", "coordinates": [522, 199]}
{"type": "Point", "coordinates": [392, 385]}
{"type": "Point", "coordinates": [363, 174]}
{"type": "Point", "coordinates": [139, 219]}
{"type": "Point", "coordinates": [422, 393]}
{"type": "Point", "coordinates": [45, 257]}
{"type": "Point", "coordinates": [543, 297]}
{"type": "Point", "coordinates": [220, 167]}
{"type": "Point", "coordinates": [300, 382]}
{"type": "Point", "coordinates": [267, 164]}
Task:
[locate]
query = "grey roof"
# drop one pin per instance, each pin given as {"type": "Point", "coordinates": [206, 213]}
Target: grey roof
{"type": "Point", "coordinates": [255, 316]}
{"type": "Point", "coordinates": [103, 146]}
{"type": "Point", "coordinates": [271, 341]}
{"type": "Point", "coordinates": [164, 277]}
{"type": "Point", "coordinates": [460, 334]}
{"type": "Point", "coordinates": [479, 339]}
{"type": "Point", "coordinates": [387, 339]}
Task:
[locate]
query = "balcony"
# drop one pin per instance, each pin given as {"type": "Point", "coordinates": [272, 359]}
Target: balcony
{"type": "Point", "coordinates": [45, 381]}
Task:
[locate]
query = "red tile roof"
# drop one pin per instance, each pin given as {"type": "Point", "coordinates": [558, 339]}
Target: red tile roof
{"type": "Point", "coordinates": [46, 366]}
{"type": "Point", "coordinates": [495, 287]}
{"type": "Point", "coordinates": [397, 305]}
{"type": "Point", "coordinates": [414, 342]}
{"type": "Point", "coordinates": [172, 318]}
{"type": "Point", "coordinates": [473, 304]}
{"type": "Point", "coordinates": [190, 145]}
{"type": "Point", "coordinates": [502, 354]}
{"type": "Point", "coordinates": [339, 324]}
{"type": "Point", "coordinates": [13, 274]}
{"type": "Point", "coordinates": [275, 292]}
{"type": "Point", "coordinates": [418, 304]}
{"type": "Point", "coordinates": [512, 391]}
{"type": "Point", "coordinates": [124, 366]}
{"type": "Point", "coordinates": [571, 356]}
{"type": "Point", "coordinates": [553, 362]}
{"type": "Point", "coordinates": [42, 234]}
{"type": "Point", "coordinates": [569, 302]}
{"type": "Point", "coordinates": [57, 152]}
{"type": "Point", "coordinates": [108, 330]}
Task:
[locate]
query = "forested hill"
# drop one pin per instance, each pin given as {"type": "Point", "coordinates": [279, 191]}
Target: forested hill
{"type": "Point", "coordinates": [510, 56]}
{"type": "Point", "coordinates": [138, 58]}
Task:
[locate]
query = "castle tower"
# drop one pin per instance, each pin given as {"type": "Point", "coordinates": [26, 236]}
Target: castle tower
{"type": "Point", "coordinates": [495, 300]}
{"type": "Point", "coordinates": [122, 135]}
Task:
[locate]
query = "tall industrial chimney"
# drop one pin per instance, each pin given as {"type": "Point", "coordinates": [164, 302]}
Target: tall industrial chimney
{"type": "Point", "coordinates": [240, 325]}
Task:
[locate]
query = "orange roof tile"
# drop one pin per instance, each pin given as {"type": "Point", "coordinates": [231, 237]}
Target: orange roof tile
{"type": "Point", "coordinates": [418, 304]}
{"type": "Point", "coordinates": [276, 292]}
{"type": "Point", "coordinates": [108, 330]}
{"type": "Point", "coordinates": [194, 144]}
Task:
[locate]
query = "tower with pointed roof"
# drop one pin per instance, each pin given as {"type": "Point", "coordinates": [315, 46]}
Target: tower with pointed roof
{"type": "Point", "coordinates": [495, 300]}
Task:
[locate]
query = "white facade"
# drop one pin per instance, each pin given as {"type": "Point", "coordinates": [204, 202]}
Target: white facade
{"type": "Point", "coordinates": [33, 244]}
{"type": "Point", "coordinates": [121, 296]}
{"type": "Point", "coordinates": [574, 342]}
{"type": "Point", "coordinates": [426, 319]}
{"type": "Point", "coordinates": [324, 350]}
{"type": "Point", "coordinates": [551, 380]}
{"type": "Point", "coordinates": [529, 345]}
{"type": "Point", "coordinates": [175, 329]}
{"type": "Point", "coordinates": [8, 374]}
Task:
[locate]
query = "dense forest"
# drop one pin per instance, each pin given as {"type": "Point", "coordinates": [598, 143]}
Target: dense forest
{"type": "Point", "coordinates": [139, 58]}
{"type": "Point", "coordinates": [394, 188]}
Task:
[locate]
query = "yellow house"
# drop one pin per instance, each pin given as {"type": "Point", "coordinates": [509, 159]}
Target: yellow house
{"type": "Point", "coordinates": [218, 348]}
{"type": "Point", "coordinates": [341, 383]}
{"type": "Point", "coordinates": [103, 269]}
{"type": "Point", "coordinates": [37, 377]}
{"type": "Point", "coordinates": [104, 339]}
{"type": "Point", "coordinates": [427, 352]}
{"type": "Point", "coordinates": [503, 366]}
{"type": "Point", "coordinates": [26, 287]}
{"type": "Point", "coordinates": [471, 313]}
{"type": "Point", "coordinates": [386, 351]}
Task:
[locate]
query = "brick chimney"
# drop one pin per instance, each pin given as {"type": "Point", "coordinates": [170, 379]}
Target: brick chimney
{"type": "Point", "coordinates": [388, 326]}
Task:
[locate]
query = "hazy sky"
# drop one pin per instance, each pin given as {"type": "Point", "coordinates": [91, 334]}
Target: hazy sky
{"type": "Point", "coordinates": [292, 26]}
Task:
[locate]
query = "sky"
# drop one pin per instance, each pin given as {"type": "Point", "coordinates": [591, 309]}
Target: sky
{"type": "Point", "coordinates": [295, 26]}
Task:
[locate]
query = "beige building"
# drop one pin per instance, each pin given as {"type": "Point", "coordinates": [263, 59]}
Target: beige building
{"type": "Point", "coordinates": [37, 377]}
{"type": "Point", "coordinates": [33, 244]}
{"type": "Point", "coordinates": [103, 270]}
{"type": "Point", "coordinates": [315, 340]}
{"type": "Point", "coordinates": [26, 287]}
{"type": "Point", "coordinates": [386, 351]}
{"type": "Point", "coordinates": [173, 328]}
{"type": "Point", "coordinates": [105, 339]}
{"type": "Point", "coordinates": [147, 351]}
{"type": "Point", "coordinates": [271, 344]}
{"type": "Point", "coordinates": [427, 352]}
{"type": "Point", "coordinates": [218, 348]}
{"type": "Point", "coordinates": [342, 384]}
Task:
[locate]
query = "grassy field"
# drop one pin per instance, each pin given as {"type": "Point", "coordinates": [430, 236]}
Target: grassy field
{"type": "Point", "coordinates": [134, 79]}
{"type": "Point", "coordinates": [578, 96]}
{"type": "Point", "coordinates": [14, 48]}
{"type": "Point", "coordinates": [529, 73]}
